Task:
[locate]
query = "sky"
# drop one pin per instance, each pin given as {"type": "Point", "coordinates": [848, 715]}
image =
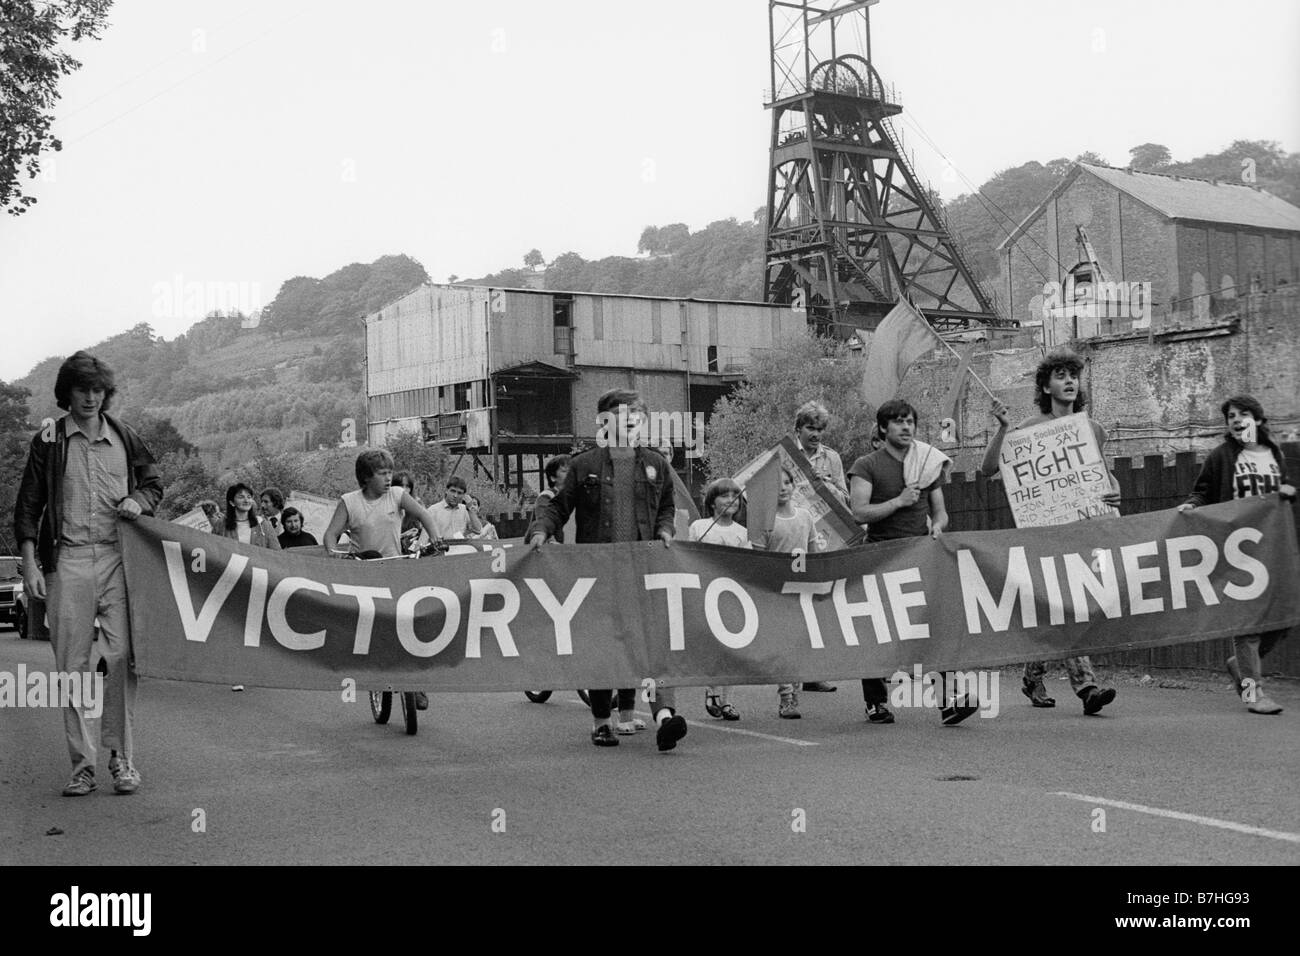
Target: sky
{"type": "Point", "coordinates": [224, 147]}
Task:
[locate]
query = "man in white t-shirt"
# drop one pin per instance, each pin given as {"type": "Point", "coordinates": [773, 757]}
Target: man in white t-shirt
{"type": "Point", "coordinates": [452, 518]}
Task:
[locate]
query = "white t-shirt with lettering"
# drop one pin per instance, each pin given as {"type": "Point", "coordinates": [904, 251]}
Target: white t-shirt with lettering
{"type": "Point", "coordinates": [1256, 473]}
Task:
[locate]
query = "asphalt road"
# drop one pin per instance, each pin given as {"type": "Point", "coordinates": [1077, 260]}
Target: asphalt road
{"type": "Point", "coordinates": [301, 777]}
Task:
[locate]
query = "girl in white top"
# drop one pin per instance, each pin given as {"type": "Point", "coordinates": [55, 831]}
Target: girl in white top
{"type": "Point", "coordinates": [721, 499]}
{"type": "Point", "coordinates": [372, 515]}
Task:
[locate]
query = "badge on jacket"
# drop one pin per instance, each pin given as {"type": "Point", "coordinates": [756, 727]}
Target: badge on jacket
{"type": "Point", "coordinates": [650, 472]}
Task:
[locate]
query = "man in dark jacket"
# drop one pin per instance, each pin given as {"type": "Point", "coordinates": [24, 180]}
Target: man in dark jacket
{"type": "Point", "coordinates": [620, 491]}
{"type": "Point", "coordinates": [84, 471]}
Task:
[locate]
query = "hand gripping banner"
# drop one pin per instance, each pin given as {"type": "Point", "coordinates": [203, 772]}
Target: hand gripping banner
{"type": "Point", "coordinates": [206, 608]}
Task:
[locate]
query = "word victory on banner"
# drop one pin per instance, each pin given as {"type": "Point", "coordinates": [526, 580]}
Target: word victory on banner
{"type": "Point", "coordinates": [1054, 473]}
{"type": "Point", "coordinates": [207, 608]}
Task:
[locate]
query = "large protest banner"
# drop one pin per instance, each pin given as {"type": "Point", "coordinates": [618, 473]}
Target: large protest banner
{"type": "Point", "coordinates": [607, 615]}
{"type": "Point", "coordinates": [1054, 473]}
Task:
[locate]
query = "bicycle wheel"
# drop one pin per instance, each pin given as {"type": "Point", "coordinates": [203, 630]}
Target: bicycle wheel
{"type": "Point", "coordinates": [381, 705]}
{"type": "Point", "coordinates": [585, 698]}
{"type": "Point", "coordinates": [538, 696]}
{"type": "Point", "coordinates": [408, 711]}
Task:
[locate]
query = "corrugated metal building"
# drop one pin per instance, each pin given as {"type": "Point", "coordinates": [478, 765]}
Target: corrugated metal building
{"type": "Point", "coordinates": [516, 372]}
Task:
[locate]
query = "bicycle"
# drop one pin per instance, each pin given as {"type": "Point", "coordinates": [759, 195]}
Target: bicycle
{"type": "Point", "coordinates": [381, 701]}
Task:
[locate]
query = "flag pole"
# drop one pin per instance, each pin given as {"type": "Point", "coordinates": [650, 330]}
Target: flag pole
{"type": "Point", "coordinates": [969, 371]}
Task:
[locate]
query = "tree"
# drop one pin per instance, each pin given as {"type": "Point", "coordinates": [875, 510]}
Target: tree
{"type": "Point", "coordinates": [15, 436]}
{"type": "Point", "coordinates": [32, 59]}
{"type": "Point", "coordinates": [649, 240]}
{"type": "Point", "coordinates": [1149, 156]}
{"type": "Point", "coordinates": [800, 368]}
{"type": "Point", "coordinates": [429, 463]}
{"type": "Point", "coordinates": [161, 435]}
{"type": "Point", "coordinates": [534, 258]}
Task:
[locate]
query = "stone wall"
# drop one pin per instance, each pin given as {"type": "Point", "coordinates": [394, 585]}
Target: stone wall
{"type": "Point", "coordinates": [1153, 395]}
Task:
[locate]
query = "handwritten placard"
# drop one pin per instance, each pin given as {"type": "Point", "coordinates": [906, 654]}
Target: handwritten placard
{"type": "Point", "coordinates": [1054, 473]}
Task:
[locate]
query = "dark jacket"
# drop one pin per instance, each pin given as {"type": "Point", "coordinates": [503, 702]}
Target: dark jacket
{"type": "Point", "coordinates": [1214, 483]}
{"type": "Point", "coordinates": [588, 489]}
{"type": "Point", "coordinates": [38, 511]}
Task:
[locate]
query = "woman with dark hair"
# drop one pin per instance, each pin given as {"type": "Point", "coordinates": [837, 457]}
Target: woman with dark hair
{"type": "Point", "coordinates": [1246, 465]}
{"type": "Point", "coordinates": [242, 522]}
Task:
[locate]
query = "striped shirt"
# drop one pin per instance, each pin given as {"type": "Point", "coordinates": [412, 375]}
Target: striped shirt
{"type": "Point", "coordinates": [94, 484]}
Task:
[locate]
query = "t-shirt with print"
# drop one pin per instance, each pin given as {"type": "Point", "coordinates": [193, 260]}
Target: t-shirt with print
{"type": "Point", "coordinates": [885, 472]}
{"type": "Point", "coordinates": [796, 532]}
{"type": "Point", "coordinates": [709, 531]}
{"type": "Point", "coordinates": [1256, 473]}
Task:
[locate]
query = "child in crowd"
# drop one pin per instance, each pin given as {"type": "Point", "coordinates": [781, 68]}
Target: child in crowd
{"type": "Point", "coordinates": [1247, 464]}
{"type": "Point", "coordinates": [489, 531]}
{"type": "Point", "coordinates": [721, 501]}
{"type": "Point", "coordinates": [372, 517]}
{"type": "Point", "coordinates": [794, 529]}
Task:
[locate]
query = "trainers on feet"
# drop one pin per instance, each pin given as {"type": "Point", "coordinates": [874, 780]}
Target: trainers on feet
{"type": "Point", "coordinates": [788, 709]}
{"type": "Point", "coordinates": [627, 727]}
{"type": "Point", "coordinates": [670, 731]}
{"type": "Point", "coordinates": [1235, 673]}
{"type": "Point", "coordinates": [879, 714]}
{"type": "Point", "coordinates": [711, 705]}
{"type": "Point", "coordinates": [959, 710]}
{"type": "Point", "coordinates": [1263, 705]}
{"type": "Point", "coordinates": [602, 736]}
{"type": "Point", "coordinates": [819, 686]}
{"type": "Point", "coordinates": [1037, 693]}
{"type": "Point", "coordinates": [82, 783]}
{"type": "Point", "coordinates": [126, 779]}
{"type": "Point", "coordinates": [1097, 698]}
{"type": "Point", "coordinates": [730, 713]}
{"type": "Point", "coordinates": [421, 700]}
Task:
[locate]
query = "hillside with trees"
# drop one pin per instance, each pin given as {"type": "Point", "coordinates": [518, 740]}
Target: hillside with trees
{"type": "Point", "coordinates": [252, 393]}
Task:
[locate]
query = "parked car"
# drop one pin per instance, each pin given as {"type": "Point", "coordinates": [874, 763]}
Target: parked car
{"type": "Point", "coordinates": [18, 608]}
{"type": "Point", "coordinates": [13, 600]}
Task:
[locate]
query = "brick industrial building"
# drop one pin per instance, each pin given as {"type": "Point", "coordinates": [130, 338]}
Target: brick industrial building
{"type": "Point", "coordinates": [1199, 243]}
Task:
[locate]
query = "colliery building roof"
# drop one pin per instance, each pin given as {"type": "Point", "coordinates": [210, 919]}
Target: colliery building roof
{"type": "Point", "coordinates": [1182, 198]}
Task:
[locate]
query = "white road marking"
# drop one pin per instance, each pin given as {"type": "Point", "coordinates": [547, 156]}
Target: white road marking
{"type": "Point", "coordinates": [725, 730]}
{"type": "Point", "coordinates": [1189, 817]}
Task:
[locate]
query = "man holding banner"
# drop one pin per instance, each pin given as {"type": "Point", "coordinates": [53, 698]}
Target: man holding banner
{"type": "Point", "coordinates": [620, 491]}
{"type": "Point", "coordinates": [898, 492]}
{"type": "Point", "coordinates": [84, 471]}
{"type": "Point", "coordinates": [1059, 393]}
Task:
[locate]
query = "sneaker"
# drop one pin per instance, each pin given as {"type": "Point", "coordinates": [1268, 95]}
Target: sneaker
{"type": "Point", "coordinates": [670, 731]}
{"type": "Point", "coordinates": [1235, 673]}
{"type": "Point", "coordinates": [126, 779]}
{"type": "Point", "coordinates": [819, 687]}
{"type": "Point", "coordinates": [711, 706]}
{"type": "Point", "coordinates": [421, 700]}
{"type": "Point", "coordinates": [788, 709]}
{"type": "Point", "coordinates": [1096, 699]}
{"type": "Point", "coordinates": [626, 728]}
{"type": "Point", "coordinates": [730, 713]}
{"type": "Point", "coordinates": [879, 714]}
{"type": "Point", "coordinates": [1263, 705]}
{"type": "Point", "coordinates": [602, 736]}
{"type": "Point", "coordinates": [959, 710]}
{"type": "Point", "coordinates": [1036, 693]}
{"type": "Point", "coordinates": [82, 783]}
{"type": "Point", "coordinates": [236, 687]}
